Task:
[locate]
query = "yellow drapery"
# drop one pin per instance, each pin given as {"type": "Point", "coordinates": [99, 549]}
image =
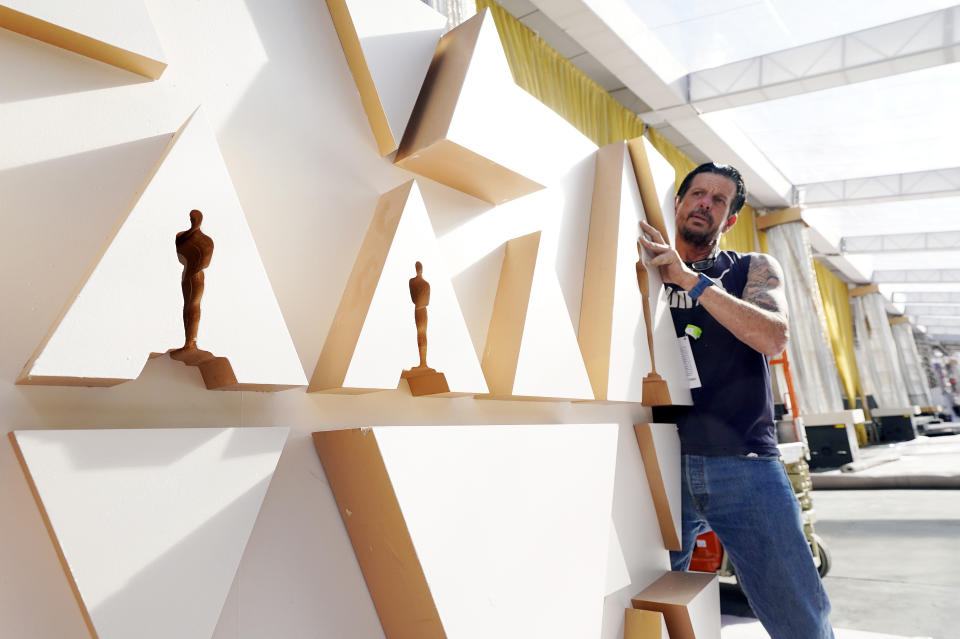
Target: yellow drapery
{"type": "Point", "coordinates": [556, 82]}
{"type": "Point", "coordinates": [836, 305]}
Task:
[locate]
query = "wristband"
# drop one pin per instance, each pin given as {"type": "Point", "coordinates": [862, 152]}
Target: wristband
{"type": "Point", "coordinates": [700, 287]}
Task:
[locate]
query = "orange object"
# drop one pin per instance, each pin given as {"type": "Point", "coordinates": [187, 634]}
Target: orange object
{"type": "Point", "coordinates": [707, 554]}
{"type": "Point", "coordinates": [794, 405]}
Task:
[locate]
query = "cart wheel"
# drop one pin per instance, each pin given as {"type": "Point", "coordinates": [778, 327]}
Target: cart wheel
{"type": "Point", "coordinates": [823, 554]}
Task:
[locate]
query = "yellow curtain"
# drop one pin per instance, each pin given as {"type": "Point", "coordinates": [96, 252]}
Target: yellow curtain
{"type": "Point", "coordinates": [836, 306]}
{"type": "Point", "coordinates": [556, 82]}
{"type": "Point", "coordinates": [743, 236]}
{"type": "Point", "coordinates": [762, 241]}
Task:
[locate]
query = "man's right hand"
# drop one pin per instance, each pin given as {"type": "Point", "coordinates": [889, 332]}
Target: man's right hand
{"type": "Point", "coordinates": [666, 258]}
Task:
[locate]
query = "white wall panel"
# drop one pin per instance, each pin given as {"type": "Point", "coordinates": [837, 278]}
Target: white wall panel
{"type": "Point", "coordinates": [80, 138]}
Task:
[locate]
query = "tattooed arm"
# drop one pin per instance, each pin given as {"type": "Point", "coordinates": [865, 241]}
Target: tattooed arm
{"type": "Point", "coordinates": [759, 319]}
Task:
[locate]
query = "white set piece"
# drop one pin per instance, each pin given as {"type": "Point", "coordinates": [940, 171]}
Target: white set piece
{"type": "Point", "coordinates": [388, 46]}
{"type": "Point", "coordinates": [531, 349]}
{"type": "Point", "coordinates": [478, 531]}
{"type": "Point", "coordinates": [612, 332]}
{"type": "Point", "coordinates": [117, 32]}
{"type": "Point", "coordinates": [373, 338]}
{"type": "Point", "coordinates": [689, 601]}
{"type": "Point", "coordinates": [131, 305]}
{"type": "Point", "coordinates": [473, 128]}
{"type": "Point", "coordinates": [150, 524]}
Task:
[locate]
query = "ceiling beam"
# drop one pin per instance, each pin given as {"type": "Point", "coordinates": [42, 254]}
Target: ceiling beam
{"type": "Point", "coordinates": [951, 324]}
{"type": "Point", "coordinates": [613, 34]}
{"type": "Point", "coordinates": [915, 276]}
{"type": "Point", "coordinates": [915, 43]}
{"type": "Point", "coordinates": [881, 188]}
{"type": "Point", "coordinates": [926, 297]}
{"type": "Point", "coordinates": [948, 338]}
{"type": "Point", "coordinates": [945, 240]}
{"type": "Point", "coordinates": [932, 310]}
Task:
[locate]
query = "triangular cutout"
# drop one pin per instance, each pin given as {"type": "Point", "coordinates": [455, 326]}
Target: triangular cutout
{"type": "Point", "coordinates": [116, 32]}
{"type": "Point", "coordinates": [149, 521]}
{"type": "Point", "coordinates": [689, 602]}
{"type": "Point", "coordinates": [531, 350]}
{"type": "Point", "coordinates": [389, 46]}
{"type": "Point", "coordinates": [132, 303]}
{"type": "Point", "coordinates": [613, 317]}
{"type": "Point", "coordinates": [476, 531]}
{"type": "Point", "coordinates": [373, 338]}
{"type": "Point", "coordinates": [495, 149]}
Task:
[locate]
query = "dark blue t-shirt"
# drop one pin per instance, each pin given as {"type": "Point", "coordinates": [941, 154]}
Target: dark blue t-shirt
{"type": "Point", "coordinates": [732, 412]}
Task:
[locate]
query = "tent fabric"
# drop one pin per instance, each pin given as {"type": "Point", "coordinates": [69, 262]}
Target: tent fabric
{"type": "Point", "coordinates": [910, 365]}
{"type": "Point", "coordinates": [809, 350]}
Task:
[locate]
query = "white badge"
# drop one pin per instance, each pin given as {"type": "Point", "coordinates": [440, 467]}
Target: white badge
{"type": "Point", "coordinates": [689, 364]}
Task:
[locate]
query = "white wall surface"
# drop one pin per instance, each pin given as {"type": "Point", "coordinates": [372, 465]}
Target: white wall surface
{"type": "Point", "coordinates": [79, 137]}
{"type": "Point", "coordinates": [152, 522]}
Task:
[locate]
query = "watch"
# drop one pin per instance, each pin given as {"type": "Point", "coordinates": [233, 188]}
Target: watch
{"type": "Point", "coordinates": [702, 283]}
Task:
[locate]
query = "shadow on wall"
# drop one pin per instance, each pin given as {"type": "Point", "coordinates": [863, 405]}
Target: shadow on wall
{"type": "Point", "coordinates": [176, 511]}
{"type": "Point", "coordinates": [46, 70]}
{"type": "Point", "coordinates": [283, 591]}
{"type": "Point", "coordinates": [636, 527]}
{"type": "Point", "coordinates": [58, 216]}
{"type": "Point", "coordinates": [291, 165]}
{"type": "Point", "coordinates": [31, 570]}
{"type": "Point", "coordinates": [164, 388]}
{"type": "Point", "coordinates": [161, 600]}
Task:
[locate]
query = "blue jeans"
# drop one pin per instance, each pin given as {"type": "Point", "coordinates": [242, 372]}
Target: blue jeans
{"type": "Point", "coordinates": [749, 503]}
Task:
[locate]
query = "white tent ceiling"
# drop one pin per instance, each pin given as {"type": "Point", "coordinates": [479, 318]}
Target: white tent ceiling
{"type": "Point", "coordinates": [850, 105]}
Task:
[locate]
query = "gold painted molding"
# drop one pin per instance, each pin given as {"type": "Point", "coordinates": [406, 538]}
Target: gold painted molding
{"type": "Point", "coordinates": [793, 214]}
{"type": "Point", "coordinates": [79, 43]}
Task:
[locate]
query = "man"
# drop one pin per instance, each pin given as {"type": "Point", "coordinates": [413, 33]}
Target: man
{"type": "Point", "coordinates": [730, 313]}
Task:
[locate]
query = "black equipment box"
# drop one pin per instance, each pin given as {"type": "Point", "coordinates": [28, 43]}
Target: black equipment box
{"type": "Point", "coordinates": [897, 428]}
{"type": "Point", "coordinates": [832, 445]}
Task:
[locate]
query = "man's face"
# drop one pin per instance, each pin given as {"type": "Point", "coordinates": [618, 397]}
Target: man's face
{"type": "Point", "coordinates": [702, 213]}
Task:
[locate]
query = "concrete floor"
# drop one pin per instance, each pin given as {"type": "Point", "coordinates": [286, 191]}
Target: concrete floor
{"type": "Point", "coordinates": [896, 565]}
{"type": "Point", "coordinates": [896, 559]}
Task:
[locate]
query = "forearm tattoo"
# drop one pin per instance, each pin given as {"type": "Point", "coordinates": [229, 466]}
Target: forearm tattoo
{"type": "Point", "coordinates": [763, 278]}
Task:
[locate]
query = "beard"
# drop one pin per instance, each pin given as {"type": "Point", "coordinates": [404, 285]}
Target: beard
{"type": "Point", "coordinates": [700, 238]}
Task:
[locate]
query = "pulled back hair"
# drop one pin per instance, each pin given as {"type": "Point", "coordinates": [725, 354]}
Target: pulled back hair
{"type": "Point", "coordinates": [726, 171]}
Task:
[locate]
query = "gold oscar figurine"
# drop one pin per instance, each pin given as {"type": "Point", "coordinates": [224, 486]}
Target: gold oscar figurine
{"type": "Point", "coordinates": [194, 250]}
{"type": "Point", "coordinates": [655, 390]}
{"type": "Point", "coordinates": [422, 379]}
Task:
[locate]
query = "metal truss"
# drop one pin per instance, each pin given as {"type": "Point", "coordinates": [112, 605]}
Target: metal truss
{"type": "Point", "coordinates": [926, 297]}
{"type": "Point", "coordinates": [906, 45]}
{"type": "Point", "coordinates": [919, 275]}
{"type": "Point", "coordinates": [946, 339]}
{"type": "Point", "coordinates": [932, 310]}
{"type": "Point", "coordinates": [881, 188]}
{"type": "Point", "coordinates": [951, 323]}
{"type": "Point", "coordinates": [945, 240]}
